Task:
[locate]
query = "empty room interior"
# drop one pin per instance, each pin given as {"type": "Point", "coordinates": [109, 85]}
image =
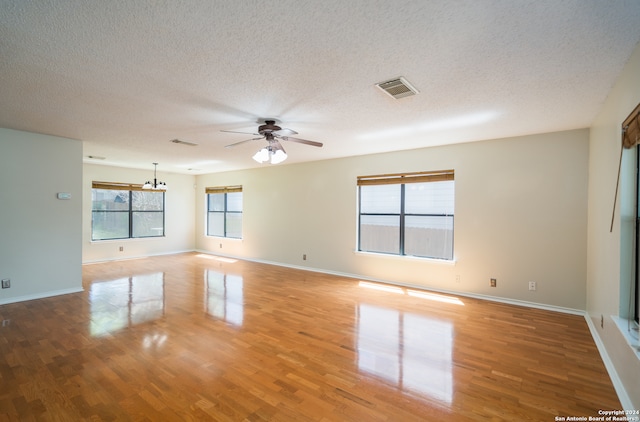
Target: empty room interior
{"type": "Point", "coordinates": [319, 211]}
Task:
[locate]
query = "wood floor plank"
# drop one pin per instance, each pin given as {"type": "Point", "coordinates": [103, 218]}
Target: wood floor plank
{"type": "Point", "coordinates": [199, 337]}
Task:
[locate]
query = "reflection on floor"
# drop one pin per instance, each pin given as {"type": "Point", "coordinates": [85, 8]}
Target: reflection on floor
{"type": "Point", "coordinates": [224, 296]}
{"type": "Point", "coordinates": [127, 301]}
{"type": "Point", "coordinates": [410, 351]}
{"type": "Point", "coordinates": [199, 337]}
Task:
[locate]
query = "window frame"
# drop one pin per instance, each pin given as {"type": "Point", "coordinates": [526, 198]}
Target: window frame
{"type": "Point", "coordinates": [636, 259]}
{"type": "Point", "coordinates": [403, 179]}
{"type": "Point", "coordinates": [130, 188]}
{"type": "Point", "coordinates": [222, 190]}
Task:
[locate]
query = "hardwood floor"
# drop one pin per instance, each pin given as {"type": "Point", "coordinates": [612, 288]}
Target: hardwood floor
{"type": "Point", "coordinates": [198, 337]}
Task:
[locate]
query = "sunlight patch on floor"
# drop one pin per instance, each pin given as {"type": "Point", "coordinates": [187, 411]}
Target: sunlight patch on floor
{"type": "Point", "coordinates": [414, 293]}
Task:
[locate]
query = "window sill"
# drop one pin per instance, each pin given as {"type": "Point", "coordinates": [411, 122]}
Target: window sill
{"type": "Point", "coordinates": [629, 330]}
{"type": "Point", "coordinates": [407, 258]}
{"type": "Point", "coordinates": [128, 239]}
{"type": "Point", "coordinates": [223, 238]}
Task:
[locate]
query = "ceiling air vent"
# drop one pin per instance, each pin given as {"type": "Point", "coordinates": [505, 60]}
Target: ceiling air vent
{"type": "Point", "coordinates": [397, 88]}
{"type": "Point", "coordinates": [178, 141]}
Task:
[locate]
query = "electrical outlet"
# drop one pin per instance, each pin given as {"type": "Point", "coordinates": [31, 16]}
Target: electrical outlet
{"type": "Point", "coordinates": [121, 248]}
{"type": "Point", "coordinates": [304, 257]}
{"type": "Point", "coordinates": [532, 285]}
{"type": "Point", "coordinates": [221, 246]}
{"type": "Point", "coordinates": [457, 278]}
{"type": "Point", "coordinates": [494, 282]}
{"type": "Point", "coordinates": [6, 283]}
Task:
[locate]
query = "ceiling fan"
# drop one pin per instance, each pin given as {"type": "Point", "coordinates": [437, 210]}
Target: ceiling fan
{"type": "Point", "coordinates": [273, 134]}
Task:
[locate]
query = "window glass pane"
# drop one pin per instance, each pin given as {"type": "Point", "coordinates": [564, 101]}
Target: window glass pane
{"type": "Point", "coordinates": [215, 224]}
{"type": "Point", "coordinates": [147, 201]}
{"type": "Point", "coordinates": [380, 233]}
{"type": "Point", "coordinates": [430, 237]}
{"type": "Point", "coordinates": [216, 202]}
{"type": "Point", "coordinates": [234, 201]}
{"type": "Point", "coordinates": [380, 199]}
{"type": "Point", "coordinates": [220, 214]}
{"type": "Point", "coordinates": [429, 198]}
{"type": "Point", "coordinates": [112, 200]}
{"type": "Point", "coordinates": [109, 225]}
{"type": "Point", "coordinates": [147, 224]}
{"type": "Point", "coordinates": [234, 225]}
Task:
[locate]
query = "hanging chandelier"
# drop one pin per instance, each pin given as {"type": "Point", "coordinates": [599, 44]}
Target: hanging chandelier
{"type": "Point", "coordinates": [155, 185]}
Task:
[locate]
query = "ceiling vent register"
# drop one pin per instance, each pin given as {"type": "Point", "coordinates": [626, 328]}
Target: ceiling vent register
{"type": "Point", "coordinates": [397, 88]}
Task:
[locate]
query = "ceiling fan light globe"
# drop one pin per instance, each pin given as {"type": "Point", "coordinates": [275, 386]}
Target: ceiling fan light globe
{"type": "Point", "coordinates": [278, 157]}
{"type": "Point", "coordinates": [262, 155]}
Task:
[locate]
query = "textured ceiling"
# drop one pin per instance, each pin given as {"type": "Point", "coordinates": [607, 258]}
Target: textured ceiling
{"type": "Point", "coordinates": [126, 77]}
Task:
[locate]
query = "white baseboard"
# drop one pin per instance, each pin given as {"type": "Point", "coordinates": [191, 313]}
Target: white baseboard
{"type": "Point", "coordinates": [625, 400]}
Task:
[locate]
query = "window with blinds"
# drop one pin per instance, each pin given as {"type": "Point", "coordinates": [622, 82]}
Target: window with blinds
{"type": "Point", "coordinates": [631, 139]}
{"type": "Point", "coordinates": [125, 210]}
{"type": "Point", "coordinates": [409, 214]}
{"type": "Point", "coordinates": [224, 211]}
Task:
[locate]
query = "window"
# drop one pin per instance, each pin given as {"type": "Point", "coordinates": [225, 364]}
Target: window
{"type": "Point", "coordinates": [224, 211]}
{"type": "Point", "coordinates": [630, 139]}
{"type": "Point", "coordinates": [123, 211]}
{"type": "Point", "coordinates": [636, 282]}
{"type": "Point", "coordinates": [407, 214]}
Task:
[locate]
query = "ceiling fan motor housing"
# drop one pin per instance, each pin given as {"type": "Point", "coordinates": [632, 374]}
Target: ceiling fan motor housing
{"type": "Point", "coordinates": [268, 127]}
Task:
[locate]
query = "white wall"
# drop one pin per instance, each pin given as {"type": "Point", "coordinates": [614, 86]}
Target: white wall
{"type": "Point", "coordinates": [520, 216]}
{"type": "Point", "coordinates": [40, 235]}
{"type": "Point", "coordinates": [609, 254]}
{"type": "Point", "coordinates": [179, 215]}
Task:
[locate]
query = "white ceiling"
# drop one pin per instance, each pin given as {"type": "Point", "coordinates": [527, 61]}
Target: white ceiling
{"type": "Point", "coordinates": [126, 77]}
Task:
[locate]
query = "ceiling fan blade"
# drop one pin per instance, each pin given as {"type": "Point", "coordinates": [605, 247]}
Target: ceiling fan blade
{"type": "Point", "coordinates": [302, 141]}
{"type": "Point", "coordinates": [285, 132]}
{"type": "Point", "coordinates": [242, 142]}
{"type": "Point", "coordinates": [235, 131]}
